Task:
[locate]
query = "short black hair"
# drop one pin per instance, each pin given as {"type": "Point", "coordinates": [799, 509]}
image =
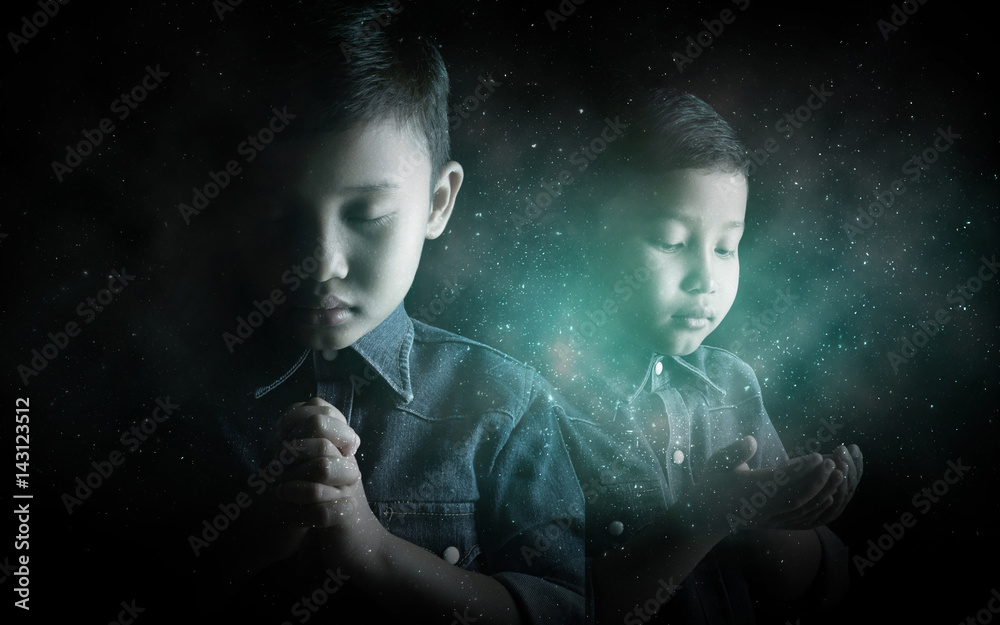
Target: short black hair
{"type": "Point", "coordinates": [665, 129]}
{"type": "Point", "coordinates": [670, 129]}
{"type": "Point", "coordinates": [356, 62]}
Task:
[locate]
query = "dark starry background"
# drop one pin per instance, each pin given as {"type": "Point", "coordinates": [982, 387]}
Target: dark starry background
{"type": "Point", "coordinates": [824, 358]}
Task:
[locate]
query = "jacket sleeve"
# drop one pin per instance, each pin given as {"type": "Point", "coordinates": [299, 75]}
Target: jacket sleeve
{"type": "Point", "coordinates": [830, 582]}
{"type": "Point", "coordinates": [534, 506]}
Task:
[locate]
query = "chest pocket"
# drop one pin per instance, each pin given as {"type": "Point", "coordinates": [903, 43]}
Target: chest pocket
{"type": "Point", "coordinates": [622, 481]}
{"type": "Point", "coordinates": [622, 497]}
{"type": "Point", "coordinates": [447, 529]}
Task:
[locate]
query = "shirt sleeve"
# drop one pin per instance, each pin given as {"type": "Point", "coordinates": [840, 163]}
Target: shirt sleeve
{"type": "Point", "coordinates": [754, 420]}
{"type": "Point", "coordinates": [745, 395]}
{"type": "Point", "coordinates": [535, 507]}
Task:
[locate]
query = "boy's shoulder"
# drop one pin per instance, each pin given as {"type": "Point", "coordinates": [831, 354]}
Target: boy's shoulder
{"type": "Point", "coordinates": [468, 375]}
{"type": "Point", "coordinates": [433, 339]}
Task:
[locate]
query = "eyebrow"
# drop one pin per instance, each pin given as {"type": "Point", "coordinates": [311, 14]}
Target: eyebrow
{"type": "Point", "coordinates": [729, 225]}
{"type": "Point", "coordinates": [382, 185]}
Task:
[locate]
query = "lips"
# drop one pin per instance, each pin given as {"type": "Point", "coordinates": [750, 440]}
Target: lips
{"type": "Point", "coordinates": [327, 311]}
{"type": "Point", "coordinates": [327, 302]}
{"type": "Point", "coordinates": [694, 318]}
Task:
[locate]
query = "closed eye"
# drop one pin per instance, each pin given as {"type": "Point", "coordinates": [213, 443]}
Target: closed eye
{"type": "Point", "coordinates": [364, 211]}
{"type": "Point", "coordinates": [374, 222]}
{"type": "Point", "coordinates": [663, 246]}
{"type": "Point", "coordinates": [378, 221]}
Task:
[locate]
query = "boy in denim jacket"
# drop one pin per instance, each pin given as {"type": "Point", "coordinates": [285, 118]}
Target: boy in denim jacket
{"type": "Point", "coordinates": [675, 450]}
{"type": "Point", "coordinates": [414, 468]}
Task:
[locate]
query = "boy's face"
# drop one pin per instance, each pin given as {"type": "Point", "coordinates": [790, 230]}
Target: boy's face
{"type": "Point", "coordinates": [358, 203]}
{"type": "Point", "coordinates": [684, 227]}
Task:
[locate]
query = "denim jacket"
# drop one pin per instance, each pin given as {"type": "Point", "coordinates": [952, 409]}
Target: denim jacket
{"type": "Point", "coordinates": [461, 453]}
{"type": "Point", "coordinates": [631, 474]}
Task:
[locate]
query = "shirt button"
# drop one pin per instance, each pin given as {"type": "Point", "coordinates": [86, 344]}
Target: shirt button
{"type": "Point", "coordinates": [451, 555]}
{"type": "Point", "coordinates": [678, 457]}
{"type": "Point", "coordinates": [658, 367]}
{"type": "Point", "coordinates": [329, 354]}
{"type": "Point", "coordinates": [615, 528]}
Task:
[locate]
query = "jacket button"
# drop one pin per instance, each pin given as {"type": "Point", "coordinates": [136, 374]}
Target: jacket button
{"type": "Point", "coordinates": [615, 528]}
{"type": "Point", "coordinates": [658, 367]}
{"type": "Point", "coordinates": [678, 457]}
{"type": "Point", "coordinates": [450, 555]}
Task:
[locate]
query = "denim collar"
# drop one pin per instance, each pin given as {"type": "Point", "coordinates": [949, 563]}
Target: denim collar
{"type": "Point", "coordinates": [673, 366]}
{"type": "Point", "coordinates": [386, 349]}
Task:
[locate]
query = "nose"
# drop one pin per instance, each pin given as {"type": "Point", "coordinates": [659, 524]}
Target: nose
{"type": "Point", "coordinates": [701, 275]}
{"type": "Point", "coordinates": [331, 253]}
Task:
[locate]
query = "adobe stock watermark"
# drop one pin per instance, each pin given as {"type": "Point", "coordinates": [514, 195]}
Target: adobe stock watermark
{"type": "Point", "coordinates": [985, 615]}
{"type": "Point", "coordinates": [624, 289]}
{"type": "Point", "coordinates": [255, 318]}
{"type": "Point", "coordinates": [464, 618]}
{"type": "Point", "coordinates": [752, 330]}
{"type": "Point", "coordinates": [914, 167]}
{"type": "Point", "coordinates": [765, 491]}
{"type": "Point", "coordinates": [582, 158]}
{"type": "Point", "coordinates": [249, 149]}
{"type": "Point", "coordinates": [565, 9]}
{"type": "Point", "coordinates": [595, 487]}
{"type": "Point", "coordinates": [788, 124]}
{"type": "Point", "coordinates": [923, 501]}
{"type": "Point", "coordinates": [959, 296]}
{"type": "Point", "coordinates": [309, 604]}
{"type": "Point", "coordinates": [358, 383]}
{"type": "Point", "coordinates": [544, 539]}
{"type": "Point", "coordinates": [293, 276]}
{"type": "Point", "coordinates": [122, 106]}
{"type": "Point", "coordinates": [460, 112]}
{"type": "Point", "coordinates": [826, 433]}
{"type": "Point", "coordinates": [899, 16]}
{"type": "Point", "coordinates": [703, 40]}
{"type": "Point", "coordinates": [88, 309]}
{"type": "Point", "coordinates": [38, 20]}
{"type": "Point", "coordinates": [229, 512]}
{"type": "Point", "coordinates": [21, 575]}
{"type": "Point", "coordinates": [643, 614]}
{"type": "Point", "coordinates": [131, 439]}
{"type": "Point", "coordinates": [446, 296]}
{"type": "Point", "coordinates": [222, 7]}
{"type": "Point", "coordinates": [129, 613]}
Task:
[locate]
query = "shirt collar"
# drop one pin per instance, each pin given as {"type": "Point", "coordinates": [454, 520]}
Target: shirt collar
{"type": "Point", "coordinates": [662, 368]}
{"type": "Point", "coordinates": [386, 349]}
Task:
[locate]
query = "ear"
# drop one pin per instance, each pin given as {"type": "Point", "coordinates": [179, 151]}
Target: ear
{"type": "Point", "coordinates": [443, 200]}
